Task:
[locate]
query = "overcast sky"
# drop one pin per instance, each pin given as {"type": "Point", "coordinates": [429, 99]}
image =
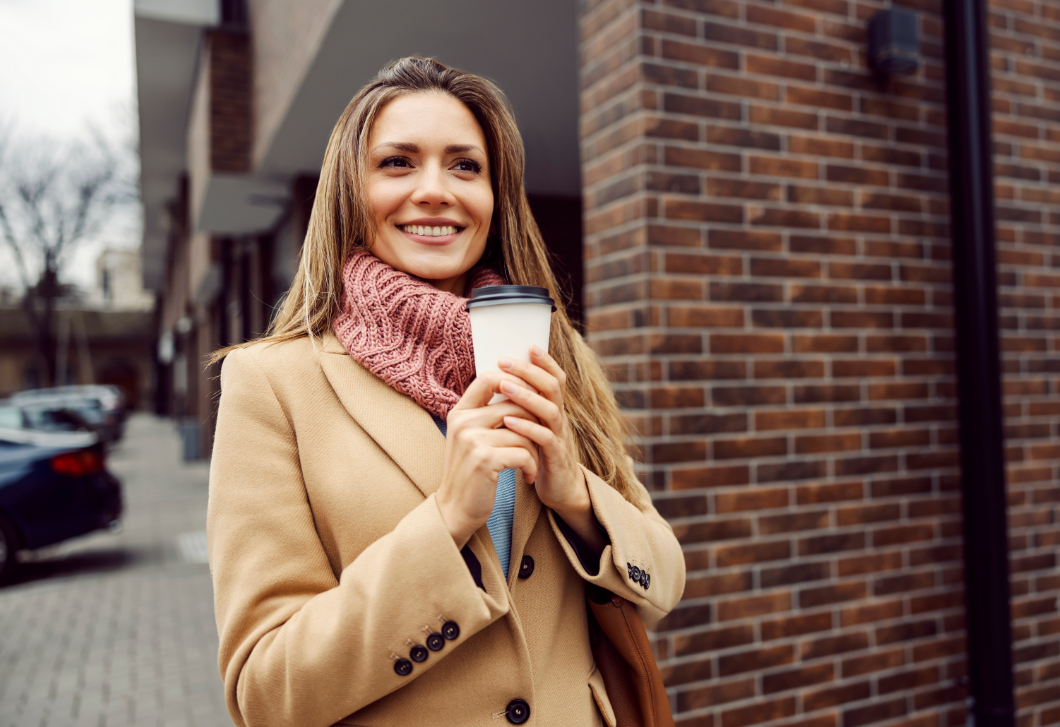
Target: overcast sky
{"type": "Point", "coordinates": [65, 65]}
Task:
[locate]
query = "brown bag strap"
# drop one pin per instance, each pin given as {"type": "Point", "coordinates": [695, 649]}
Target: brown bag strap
{"type": "Point", "coordinates": [626, 662]}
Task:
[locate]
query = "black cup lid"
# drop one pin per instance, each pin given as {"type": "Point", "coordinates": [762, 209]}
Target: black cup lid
{"type": "Point", "coordinates": [508, 294]}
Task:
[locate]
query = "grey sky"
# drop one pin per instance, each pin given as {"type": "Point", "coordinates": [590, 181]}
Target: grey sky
{"type": "Point", "coordinates": [65, 64]}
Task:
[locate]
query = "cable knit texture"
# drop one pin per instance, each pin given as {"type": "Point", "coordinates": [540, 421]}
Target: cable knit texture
{"type": "Point", "coordinates": [411, 335]}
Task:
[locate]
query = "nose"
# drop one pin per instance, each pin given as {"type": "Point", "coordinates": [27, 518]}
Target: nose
{"type": "Point", "coordinates": [432, 189]}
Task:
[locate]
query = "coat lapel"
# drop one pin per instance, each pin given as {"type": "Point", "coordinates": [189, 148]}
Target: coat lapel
{"type": "Point", "coordinates": [400, 426]}
{"type": "Point", "coordinates": [408, 434]}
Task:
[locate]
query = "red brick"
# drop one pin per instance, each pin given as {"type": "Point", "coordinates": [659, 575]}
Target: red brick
{"type": "Point", "coordinates": [752, 606]}
{"type": "Point", "coordinates": [714, 476]}
{"type": "Point", "coordinates": [747, 447]}
{"type": "Point", "coordinates": [785, 267]}
{"type": "Point", "coordinates": [782, 167]}
{"type": "Point", "coordinates": [771, 116]}
{"type": "Point", "coordinates": [799, 677]}
{"type": "Point", "coordinates": [782, 19]}
{"type": "Point", "coordinates": [776, 67]}
{"type": "Point", "coordinates": [833, 696]}
{"type": "Point", "coordinates": [788, 368]}
{"type": "Point", "coordinates": [698, 53]}
{"type": "Point", "coordinates": [746, 343]}
{"type": "Point", "coordinates": [875, 712]}
{"type": "Point", "coordinates": [745, 240]}
{"type": "Point", "coordinates": [718, 33]}
{"type": "Point", "coordinates": [755, 660]}
{"type": "Point", "coordinates": [715, 694]}
{"type": "Point", "coordinates": [789, 419]}
{"type": "Point", "coordinates": [880, 661]}
{"type": "Point", "coordinates": [757, 552]}
{"type": "Point", "coordinates": [820, 443]}
{"type": "Point", "coordinates": [790, 626]}
{"type": "Point", "coordinates": [828, 595]}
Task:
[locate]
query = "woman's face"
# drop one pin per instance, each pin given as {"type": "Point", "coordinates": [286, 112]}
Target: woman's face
{"type": "Point", "coordinates": [429, 186]}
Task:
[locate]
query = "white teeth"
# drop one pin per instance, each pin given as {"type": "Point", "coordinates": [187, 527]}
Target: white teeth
{"type": "Point", "coordinates": [429, 231]}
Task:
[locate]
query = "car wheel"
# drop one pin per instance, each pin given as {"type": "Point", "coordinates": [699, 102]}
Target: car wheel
{"type": "Point", "coordinates": [8, 550]}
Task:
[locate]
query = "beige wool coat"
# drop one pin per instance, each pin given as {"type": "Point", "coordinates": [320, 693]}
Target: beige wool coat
{"type": "Point", "coordinates": [330, 562]}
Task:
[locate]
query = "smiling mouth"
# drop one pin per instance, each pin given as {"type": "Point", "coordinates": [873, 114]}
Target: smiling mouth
{"type": "Point", "coordinates": [430, 231]}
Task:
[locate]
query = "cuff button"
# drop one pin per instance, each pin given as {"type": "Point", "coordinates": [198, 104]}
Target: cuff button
{"type": "Point", "coordinates": [418, 654]}
{"type": "Point", "coordinates": [450, 630]}
{"type": "Point", "coordinates": [635, 575]}
{"type": "Point", "coordinates": [403, 667]}
{"type": "Point", "coordinates": [435, 642]}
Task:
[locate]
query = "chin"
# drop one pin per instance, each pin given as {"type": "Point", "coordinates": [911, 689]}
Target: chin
{"type": "Point", "coordinates": [434, 266]}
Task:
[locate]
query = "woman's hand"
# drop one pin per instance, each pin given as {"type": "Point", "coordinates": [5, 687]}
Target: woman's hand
{"type": "Point", "coordinates": [477, 451]}
{"type": "Point", "coordinates": [560, 483]}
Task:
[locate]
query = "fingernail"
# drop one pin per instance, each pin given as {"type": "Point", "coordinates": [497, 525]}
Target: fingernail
{"type": "Point", "coordinates": [504, 362]}
{"type": "Point", "coordinates": [536, 350]}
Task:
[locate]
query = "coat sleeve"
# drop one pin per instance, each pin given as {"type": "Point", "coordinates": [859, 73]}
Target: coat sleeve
{"type": "Point", "coordinates": [643, 563]}
{"type": "Point", "coordinates": [298, 645]}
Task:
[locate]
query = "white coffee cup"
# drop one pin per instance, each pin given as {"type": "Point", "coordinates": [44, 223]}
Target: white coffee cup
{"type": "Point", "coordinates": [506, 320]}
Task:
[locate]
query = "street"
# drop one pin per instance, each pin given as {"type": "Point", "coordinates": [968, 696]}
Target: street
{"type": "Point", "coordinates": [117, 629]}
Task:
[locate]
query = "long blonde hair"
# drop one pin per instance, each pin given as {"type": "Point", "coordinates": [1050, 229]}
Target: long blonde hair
{"type": "Point", "coordinates": [342, 222]}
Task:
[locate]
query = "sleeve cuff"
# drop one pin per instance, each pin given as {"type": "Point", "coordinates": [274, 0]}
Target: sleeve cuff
{"type": "Point", "coordinates": [626, 565]}
{"type": "Point", "coordinates": [588, 557]}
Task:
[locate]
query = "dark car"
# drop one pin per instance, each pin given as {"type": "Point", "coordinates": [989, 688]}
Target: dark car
{"type": "Point", "coordinates": [52, 488]}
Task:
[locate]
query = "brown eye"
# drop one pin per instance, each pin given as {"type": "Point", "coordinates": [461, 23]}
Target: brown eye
{"type": "Point", "coordinates": [396, 163]}
{"type": "Point", "coordinates": [468, 165]}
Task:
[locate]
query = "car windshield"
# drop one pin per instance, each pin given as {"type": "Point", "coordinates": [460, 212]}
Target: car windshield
{"type": "Point", "coordinates": [10, 417]}
{"type": "Point", "coordinates": [62, 420]}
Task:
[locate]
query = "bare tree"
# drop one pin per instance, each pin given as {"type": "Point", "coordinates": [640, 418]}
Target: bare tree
{"type": "Point", "coordinates": [53, 197]}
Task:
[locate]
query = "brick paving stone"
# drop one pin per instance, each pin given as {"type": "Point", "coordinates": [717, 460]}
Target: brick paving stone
{"type": "Point", "coordinates": [117, 629]}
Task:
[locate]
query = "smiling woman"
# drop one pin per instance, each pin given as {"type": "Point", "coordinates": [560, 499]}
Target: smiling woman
{"type": "Point", "coordinates": [387, 546]}
{"type": "Point", "coordinates": [428, 153]}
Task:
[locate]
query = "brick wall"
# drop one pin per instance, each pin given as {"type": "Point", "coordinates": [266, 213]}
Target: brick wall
{"type": "Point", "coordinates": [768, 281]}
{"type": "Point", "coordinates": [1026, 60]}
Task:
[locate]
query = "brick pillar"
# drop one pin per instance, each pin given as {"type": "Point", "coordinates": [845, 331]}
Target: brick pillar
{"type": "Point", "coordinates": [230, 126]}
{"type": "Point", "coordinates": [767, 281]}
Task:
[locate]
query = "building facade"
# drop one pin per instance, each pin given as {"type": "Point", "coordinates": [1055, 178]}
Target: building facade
{"type": "Point", "coordinates": [103, 334]}
{"type": "Point", "coordinates": [757, 228]}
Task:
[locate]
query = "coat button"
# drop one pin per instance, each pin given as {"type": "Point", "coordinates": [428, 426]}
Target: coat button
{"type": "Point", "coordinates": [526, 567]}
{"type": "Point", "coordinates": [635, 575]}
{"type": "Point", "coordinates": [435, 642]}
{"type": "Point", "coordinates": [518, 711]}
{"type": "Point", "coordinates": [450, 630]}
{"type": "Point", "coordinates": [646, 581]}
{"type": "Point", "coordinates": [403, 667]}
{"type": "Point", "coordinates": [418, 654]}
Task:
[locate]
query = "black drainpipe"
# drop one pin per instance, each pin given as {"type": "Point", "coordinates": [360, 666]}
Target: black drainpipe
{"type": "Point", "coordinates": [986, 574]}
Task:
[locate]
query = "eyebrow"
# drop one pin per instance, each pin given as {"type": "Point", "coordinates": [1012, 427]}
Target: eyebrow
{"type": "Point", "coordinates": [414, 149]}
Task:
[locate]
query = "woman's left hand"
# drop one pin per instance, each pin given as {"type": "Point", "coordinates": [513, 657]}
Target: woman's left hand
{"type": "Point", "coordinates": [560, 483]}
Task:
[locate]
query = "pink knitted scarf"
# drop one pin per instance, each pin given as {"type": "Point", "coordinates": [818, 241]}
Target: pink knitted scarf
{"type": "Point", "coordinates": [407, 332]}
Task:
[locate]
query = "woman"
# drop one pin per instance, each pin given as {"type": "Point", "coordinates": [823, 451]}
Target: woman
{"type": "Point", "coordinates": [386, 548]}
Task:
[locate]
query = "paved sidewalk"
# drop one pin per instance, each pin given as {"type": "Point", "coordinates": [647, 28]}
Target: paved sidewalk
{"type": "Point", "coordinates": [117, 629]}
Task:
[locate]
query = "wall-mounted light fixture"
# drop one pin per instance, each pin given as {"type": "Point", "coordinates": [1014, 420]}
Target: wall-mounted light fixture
{"type": "Point", "coordinates": [894, 49]}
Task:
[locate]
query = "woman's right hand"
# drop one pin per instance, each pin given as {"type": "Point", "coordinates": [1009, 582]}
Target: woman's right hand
{"type": "Point", "coordinates": [477, 450]}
